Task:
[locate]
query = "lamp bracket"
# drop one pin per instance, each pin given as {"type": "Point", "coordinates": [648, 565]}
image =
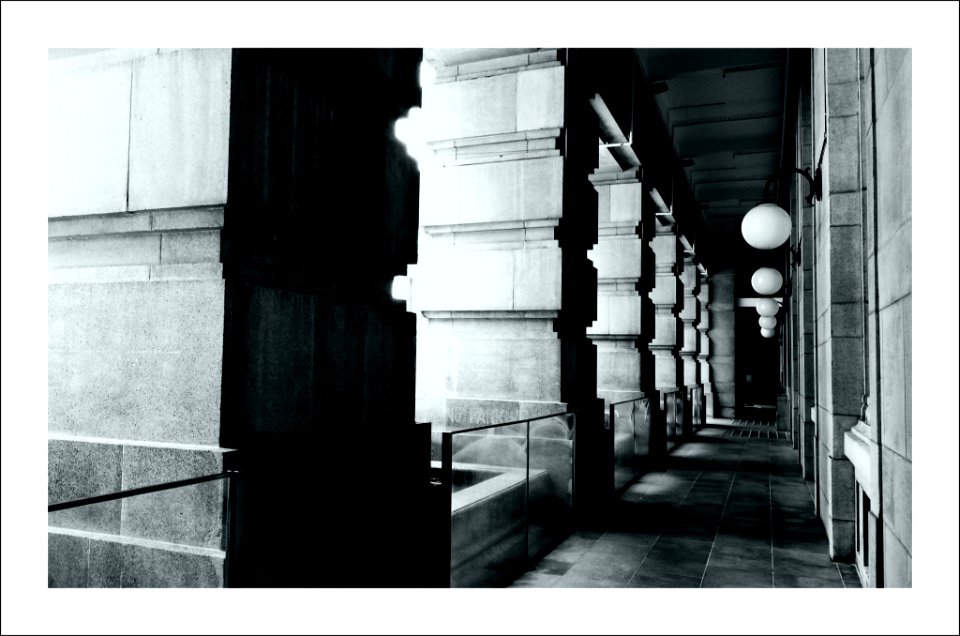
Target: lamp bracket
{"type": "Point", "coordinates": [815, 181]}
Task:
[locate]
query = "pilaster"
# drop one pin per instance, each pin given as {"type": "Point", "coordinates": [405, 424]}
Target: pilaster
{"type": "Point", "coordinates": [503, 287]}
{"type": "Point", "coordinates": [690, 317]}
{"type": "Point", "coordinates": [618, 257]}
{"type": "Point", "coordinates": [667, 296]}
{"type": "Point", "coordinates": [703, 328]}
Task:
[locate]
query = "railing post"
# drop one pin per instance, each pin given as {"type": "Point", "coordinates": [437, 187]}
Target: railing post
{"type": "Point", "coordinates": [526, 504]}
{"type": "Point", "coordinates": [230, 528]}
{"type": "Point", "coordinates": [446, 506]}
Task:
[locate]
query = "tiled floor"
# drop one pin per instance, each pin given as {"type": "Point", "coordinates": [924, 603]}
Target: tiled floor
{"type": "Point", "coordinates": [728, 510]}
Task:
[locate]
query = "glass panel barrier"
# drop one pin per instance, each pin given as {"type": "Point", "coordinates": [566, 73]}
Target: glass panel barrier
{"type": "Point", "coordinates": [509, 489]}
{"type": "Point", "coordinates": [697, 410]}
{"type": "Point", "coordinates": [644, 425]}
{"type": "Point", "coordinates": [551, 482]}
{"type": "Point", "coordinates": [488, 504]}
{"type": "Point", "coordinates": [673, 415]}
{"type": "Point", "coordinates": [623, 415]}
{"type": "Point", "coordinates": [631, 439]}
{"type": "Point", "coordinates": [158, 535]}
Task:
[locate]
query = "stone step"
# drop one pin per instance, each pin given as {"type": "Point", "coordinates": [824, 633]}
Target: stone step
{"type": "Point", "coordinates": [78, 559]}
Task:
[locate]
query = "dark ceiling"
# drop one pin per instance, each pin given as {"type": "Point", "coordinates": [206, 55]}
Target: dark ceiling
{"type": "Point", "coordinates": [723, 110]}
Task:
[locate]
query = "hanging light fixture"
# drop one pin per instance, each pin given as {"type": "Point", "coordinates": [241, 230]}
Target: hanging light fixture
{"type": "Point", "coordinates": [767, 307]}
{"type": "Point", "coordinates": [768, 333]}
{"type": "Point", "coordinates": [768, 322]}
{"type": "Point", "coordinates": [766, 281]}
{"type": "Point", "coordinates": [766, 227]}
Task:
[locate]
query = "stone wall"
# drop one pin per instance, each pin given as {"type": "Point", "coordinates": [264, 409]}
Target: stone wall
{"type": "Point", "coordinates": [862, 300]}
{"type": "Point", "coordinates": [881, 445]}
{"type": "Point", "coordinates": [138, 174]}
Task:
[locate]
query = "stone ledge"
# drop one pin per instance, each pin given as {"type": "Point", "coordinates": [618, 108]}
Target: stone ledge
{"type": "Point", "coordinates": [516, 68]}
{"type": "Point", "coordinates": [615, 284]}
{"type": "Point", "coordinates": [437, 230]}
{"type": "Point", "coordinates": [52, 435]}
{"type": "Point", "coordinates": [134, 273]}
{"type": "Point", "coordinates": [627, 341]}
{"type": "Point", "coordinates": [190, 218]}
{"type": "Point", "coordinates": [614, 177]}
{"type": "Point", "coordinates": [863, 453]}
{"type": "Point", "coordinates": [137, 541]}
{"type": "Point", "coordinates": [497, 138]}
{"type": "Point", "coordinates": [522, 155]}
{"type": "Point", "coordinates": [619, 231]}
{"type": "Point", "coordinates": [491, 315]}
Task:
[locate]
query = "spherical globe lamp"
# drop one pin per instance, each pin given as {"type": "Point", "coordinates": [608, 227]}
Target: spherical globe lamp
{"type": "Point", "coordinates": [767, 307]}
{"type": "Point", "coordinates": [766, 281]}
{"type": "Point", "coordinates": [767, 322]}
{"type": "Point", "coordinates": [768, 333]}
{"type": "Point", "coordinates": [766, 227]}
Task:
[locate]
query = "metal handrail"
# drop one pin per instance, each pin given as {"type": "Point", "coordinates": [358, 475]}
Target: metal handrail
{"type": "Point", "coordinates": [489, 426]}
{"type": "Point", "coordinates": [642, 397]}
{"type": "Point", "coordinates": [76, 503]}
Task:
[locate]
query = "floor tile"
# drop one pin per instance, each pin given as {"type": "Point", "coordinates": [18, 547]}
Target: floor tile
{"type": "Point", "coordinates": [736, 578]}
{"type": "Point", "coordinates": [536, 579]}
{"type": "Point", "coordinates": [711, 514]}
{"type": "Point", "coordinates": [568, 580]}
{"type": "Point", "coordinates": [552, 566]}
{"type": "Point", "coordinates": [612, 568]}
{"type": "Point", "coordinates": [755, 563]}
{"type": "Point", "coordinates": [849, 575]}
{"type": "Point", "coordinates": [629, 538]}
{"type": "Point", "coordinates": [656, 565]}
{"type": "Point", "coordinates": [629, 553]}
{"type": "Point", "coordinates": [789, 580]}
{"type": "Point", "coordinates": [796, 568]}
{"type": "Point", "coordinates": [663, 580]}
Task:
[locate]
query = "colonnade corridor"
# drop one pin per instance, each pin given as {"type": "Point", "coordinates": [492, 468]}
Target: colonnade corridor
{"type": "Point", "coordinates": [728, 508]}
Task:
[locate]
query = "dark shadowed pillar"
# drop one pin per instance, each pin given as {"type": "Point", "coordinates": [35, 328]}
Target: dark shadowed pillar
{"type": "Point", "coordinates": [319, 359]}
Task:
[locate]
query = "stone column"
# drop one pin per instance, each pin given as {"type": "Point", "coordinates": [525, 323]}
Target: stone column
{"type": "Point", "coordinates": [689, 317]}
{"type": "Point", "coordinates": [503, 285]}
{"type": "Point", "coordinates": [723, 342]}
{"type": "Point", "coordinates": [319, 358]}
{"type": "Point", "coordinates": [703, 327]}
{"type": "Point", "coordinates": [666, 296]}
{"type": "Point", "coordinates": [618, 258]}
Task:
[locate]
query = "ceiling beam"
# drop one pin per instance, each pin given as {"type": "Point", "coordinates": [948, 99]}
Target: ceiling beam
{"type": "Point", "coordinates": [749, 68]}
{"type": "Point", "coordinates": [705, 121]}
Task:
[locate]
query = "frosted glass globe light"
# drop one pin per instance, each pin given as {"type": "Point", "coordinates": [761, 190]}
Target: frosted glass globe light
{"type": "Point", "coordinates": [767, 307]}
{"type": "Point", "coordinates": [767, 322]}
{"type": "Point", "coordinates": [768, 333]}
{"type": "Point", "coordinates": [766, 281]}
{"type": "Point", "coordinates": [766, 226]}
